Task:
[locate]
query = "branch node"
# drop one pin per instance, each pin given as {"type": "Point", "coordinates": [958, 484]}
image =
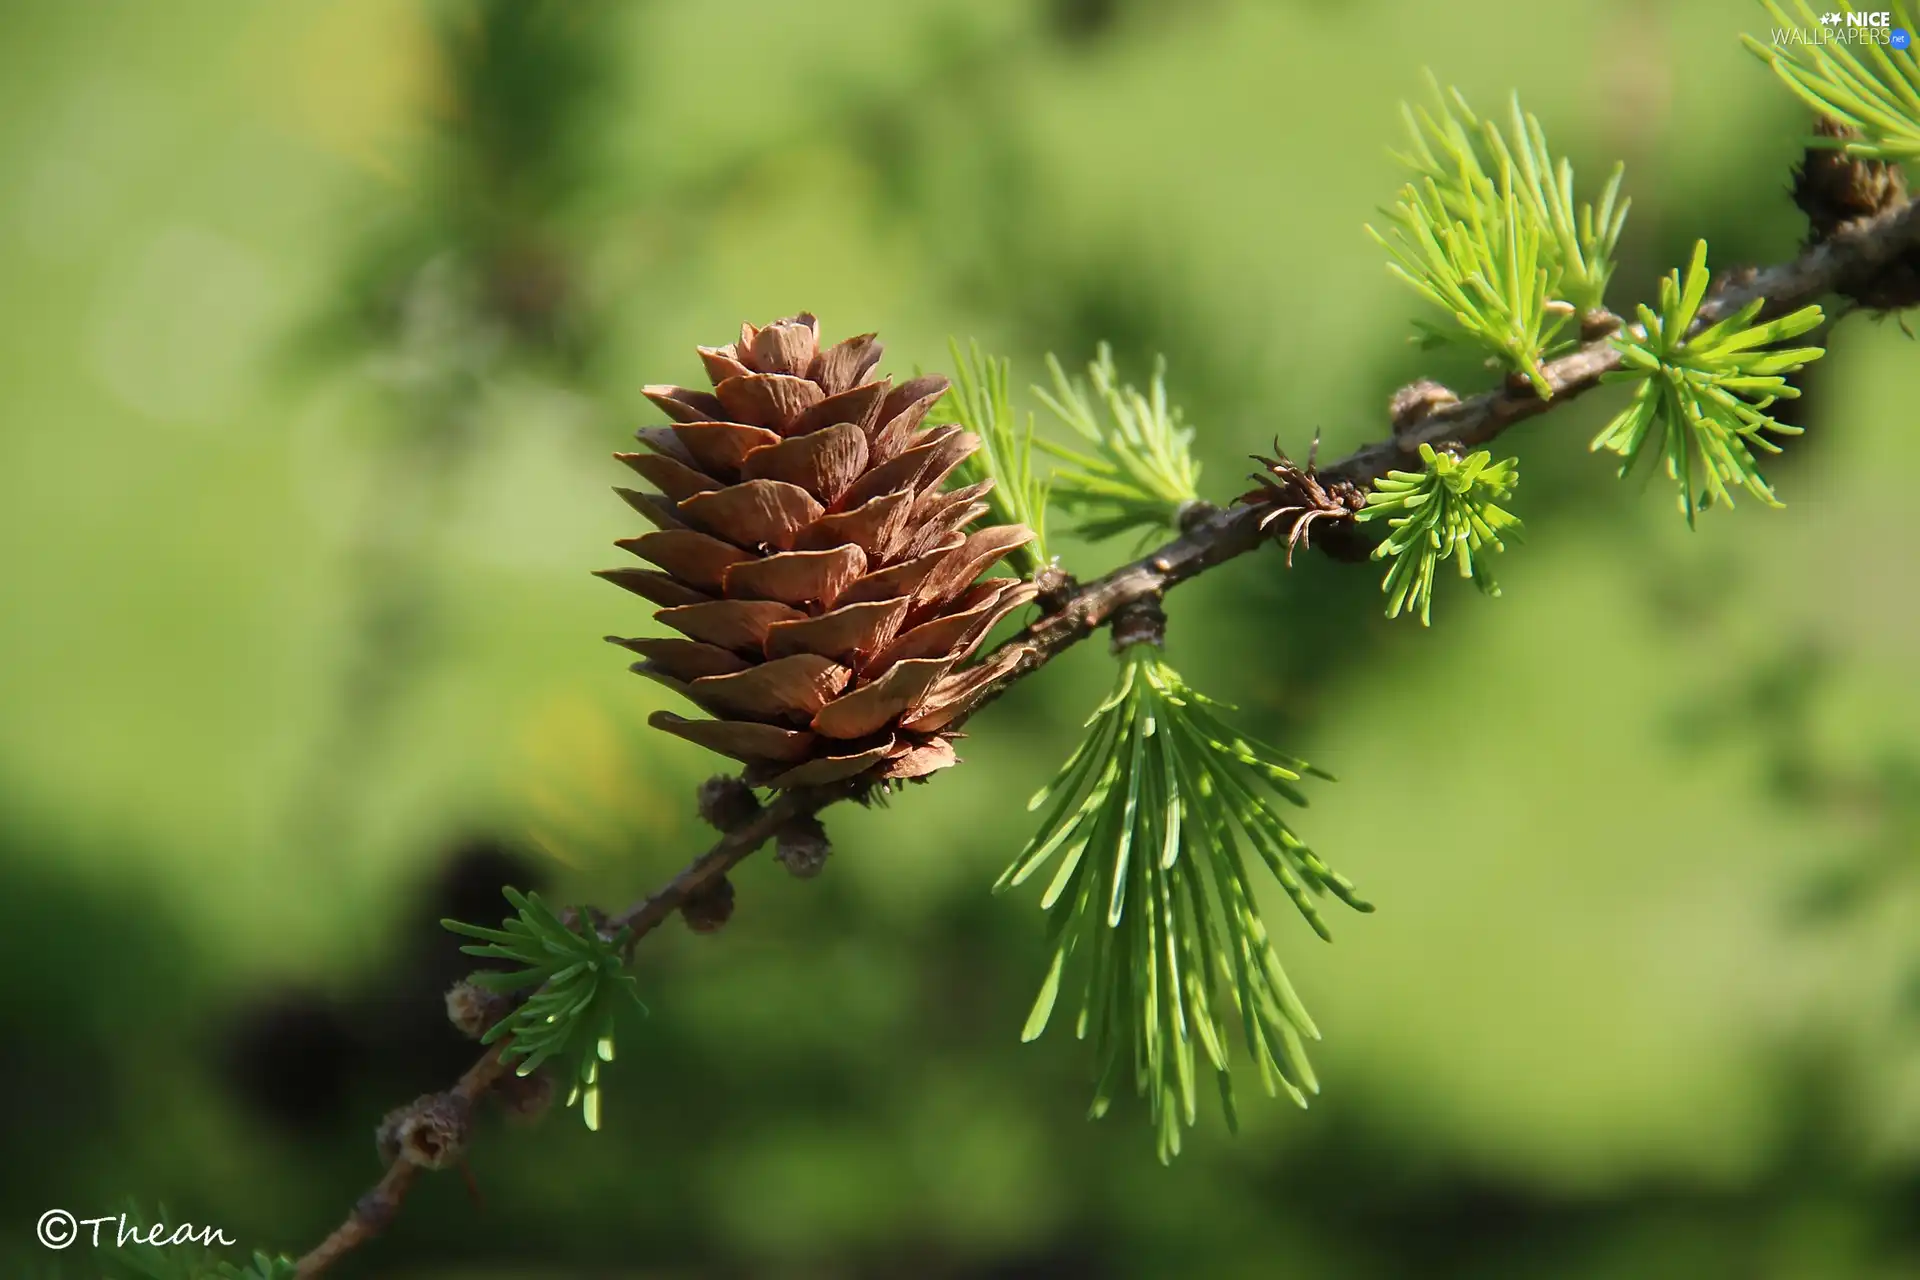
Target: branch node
{"type": "Point", "coordinates": [1736, 279]}
{"type": "Point", "coordinates": [1304, 495]}
{"type": "Point", "coordinates": [1598, 323]}
{"type": "Point", "coordinates": [1414, 403]}
{"type": "Point", "coordinates": [1056, 587]}
{"type": "Point", "coordinates": [1834, 188]}
{"type": "Point", "coordinates": [1141, 621]}
{"type": "Point", "coordinates": [1190, 515]}
{"type": "Point", "coordinates": [802, 847]}
{"type": "Point", "coordinates": [376, 1210]}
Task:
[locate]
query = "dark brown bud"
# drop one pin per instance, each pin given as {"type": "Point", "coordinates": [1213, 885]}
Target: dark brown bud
{"type": "Point", "coordinates": [709, 906]}
{"type": "Point", "coordinates": [525, 1098]}
{"type": "Point", "coordinates": [1833, 188]}
{"type": "Point", "coordinates": [474, 1009]}
{"type": "Point", "coordinates": [1597, 324]}
{"type": "Point", "coordinates": [431, 1131]}
{"type": "Point", "coordinates": [1418, 400]}
{"type": "Point", "coordinates": [1193, 514]}
{"type": "Point", "coordinates": [1055, 585]}
{"type": "Point", "coordinates": [726, 803]}
{"type": "Point", "coordinates": [802, 847]}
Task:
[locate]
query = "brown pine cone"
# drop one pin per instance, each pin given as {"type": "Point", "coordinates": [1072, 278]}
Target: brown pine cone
{"type": "Point", "coordinates": [814, 564]}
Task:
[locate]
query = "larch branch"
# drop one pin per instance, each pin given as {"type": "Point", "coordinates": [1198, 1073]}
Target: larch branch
{"type": "Point", "coordinates": [1841, 264]}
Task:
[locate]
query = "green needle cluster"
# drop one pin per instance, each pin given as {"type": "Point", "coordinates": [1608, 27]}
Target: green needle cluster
{"type": "Point", "coordinates": [1138, 472]}
{"type": "Point", "coordinates": [978, 400]}
{"type": "Point", "coordinates": [1488, 231]}
{"type": "Point", "coordinates": [1159, 824]}
{"type": "Point", "coordinates": [1449, 510]}
{"type": "Point", "coordinates": [581, 984]}
{"type": "Point", "coordinates": [1867, 85]}
{"type": "Point", "coordinates": [1700, 401]}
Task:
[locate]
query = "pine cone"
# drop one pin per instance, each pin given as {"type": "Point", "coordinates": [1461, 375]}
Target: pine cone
{"type": "Point", "coordinates": [815, 565]}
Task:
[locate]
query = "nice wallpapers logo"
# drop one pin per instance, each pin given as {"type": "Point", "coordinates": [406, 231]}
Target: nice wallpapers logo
{"type": "Point", "coordinates": [1849, 28]}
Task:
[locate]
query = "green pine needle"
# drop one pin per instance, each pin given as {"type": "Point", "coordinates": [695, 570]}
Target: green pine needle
{"type": "Point", "coordinates": [1870, 86]}
{"type": "Point", "coordinates": [1152, 820]}
{"type": "Point", "coordinates": [1448, 510]}
{"type": "Point", "coordinates": [1701, 401]}
{"type": "Point", "coordinates": [582, 984]}
{"type": "Point", "coordinates": [978, 400]}
{"type": "Point", "coordinates": [1489, 232]}
{"type": "Point", "coordinates": [1140, 472]}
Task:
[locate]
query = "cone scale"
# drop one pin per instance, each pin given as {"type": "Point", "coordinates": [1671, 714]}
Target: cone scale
{"type": "Point", "coordinates": [819, 574]}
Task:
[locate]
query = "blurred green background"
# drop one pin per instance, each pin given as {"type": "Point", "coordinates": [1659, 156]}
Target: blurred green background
{"type": "Point", "coordinates": [322, 322]}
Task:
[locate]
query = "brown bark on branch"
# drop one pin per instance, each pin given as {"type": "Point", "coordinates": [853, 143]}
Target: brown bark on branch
{"type": "Point", "coordinates": [1847, 263]}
